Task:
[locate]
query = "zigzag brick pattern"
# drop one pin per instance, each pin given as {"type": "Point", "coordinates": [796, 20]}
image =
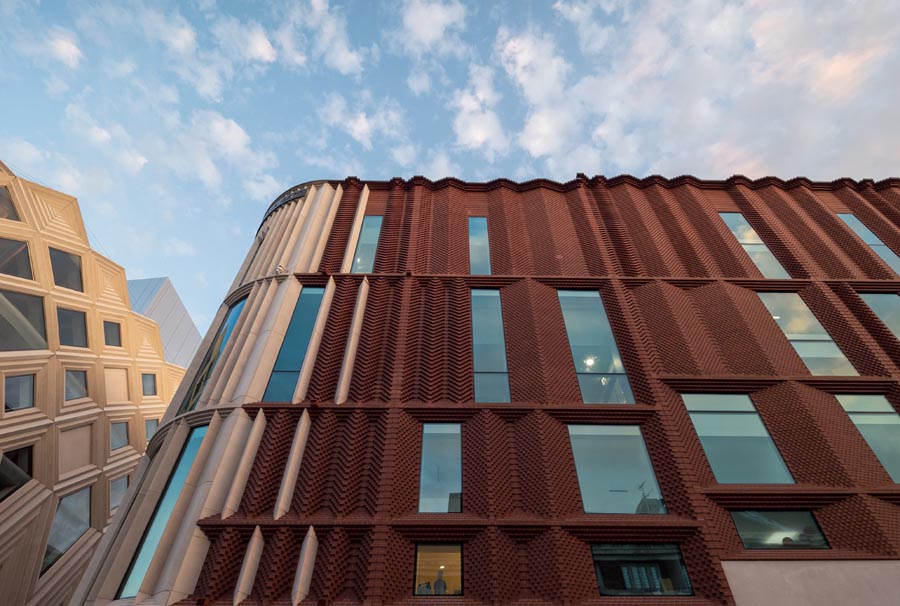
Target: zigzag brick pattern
{"type": "Point", "coordinates": [681, 298]}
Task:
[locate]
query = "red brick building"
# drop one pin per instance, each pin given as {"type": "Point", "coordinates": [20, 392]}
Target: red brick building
{"type": "Point", "coordinates": [608, 391]}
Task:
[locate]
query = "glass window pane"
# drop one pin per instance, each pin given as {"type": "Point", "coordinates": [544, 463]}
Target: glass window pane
{"type": "Point", "coordinates": [23, 458]}
{"type": "Point", "coordinates": [492, 387]}
{"type": "Point", "coordinates": [865, 403]}
{"type": "Point", "coordinates": [72, 519]}
{"type": "Point", "coordinates": [148, 384]}
{"type": "Point", "coordinates": [293, 348]}
{"type": "Point", "coordinates": [640, 569]}
{"type": "Point", "coordinates": [118, 435]}
{"type": "Point", "coordinates": [741, 229]}
{"type": "Point", "coordinates": [793, 317]}
{"type": "Point", "coordinates": [367, 245]}
{"type": "Point", "coordinates": [66, 269]}
{"type": "Point", "coordinates": [21, 322]}
{"type": "Point", "coordinates": [144, 554]}
{"type": "Point", "coordinates": [72, 327]}
{"type": "Point", "coordinates": [824, 358]}
{"type": "Point", "coordinates": [438, 570]}
{"type": "Point", "coordinates": [718, 402]}
{"type": "Point", "coordinates": [76, 384]}
{"type": "Point", "coordinates": [739, 448]}
{"type": "Point", "coordinates": [778, 530]}
{"type": "Point", "coordinates": [440, 479]}
{"type": "Point", "coordinates": [14, 259]}
{"type": "Point", "coordinates": [614, 470]}
{"type": "Point", "coordinates": [879, 425]}
{"type": "Point", "coordinates": [18, 392]}
{"type": "Point", "coordinates": [479, 246]}
{"type": "Point", "coordinates": [212, 356]}
{"type": "Point", "coordinates": [7, 209]}
{"type": "Point", "coordinates": [866, 235]}
{"type": "Point", "coordinates": [150, 427]}
{"type": "Point", "coordinates": [887, 307]}
{"type": "Point", "coordinates": [15, 470]}
{"type": "Point", "coordinates": [594, 349]}
{"type": "Point", "coordinates": [117, 490]}
{"type": "Point", "coordinates": [489, 347]}
{"type": "Point", "coordinates": [112, 333]}
{"type": "Point", "coordinates": [766, 262]}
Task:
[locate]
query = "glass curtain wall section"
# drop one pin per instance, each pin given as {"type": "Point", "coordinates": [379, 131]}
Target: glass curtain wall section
{"type": "Point", "coordinates": [14, 259]}
{"type": "Point", "coordinates": [736, 442]}
{"type": "Point", "coordinates": [21, 322]}
{"type": "Point", "coordinates": [479, 247]}
{"type": "Point", "coordinates": [887, 307]}
{"type": "Point", "coordinates": [778, 530]}
{"type": "Point", "coordinates": [367, 245]}
{"type": "Point", "coordinates": [66, 269]}
{"type": "Point", "coordinates": [216, 348]}
{"type": "Point", "coordinates": [640, 569]}
{"type": "Point", "coordinates": [809, 338]}
{"type": "Point", "coordinates": [753, 245]}
{"type": "Point", "coordinates": [290, 359]}
{"type": "Point", "coordinates": [489, 347]}
{"type": "Point", "coordinates": [615, 474]}
{"type": "Point", "coordinates": [440, 478]}
{"type": "Point", "coordinates": [7, 209]}
{"type": "Point", "coordinates": [601, 374]}
{"type": "Point", "coordinates": [144, 553]}
{"type": "Point", "coordinates": [879, 424]}
{"type": "Point", "coordinates": [72, 519]}
{"type": "Point", "coordinates": [874, 242]}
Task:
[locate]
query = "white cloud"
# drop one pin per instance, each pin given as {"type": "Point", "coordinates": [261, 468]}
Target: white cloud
{"type": "Point", "coordinates": [476, 124]}
{"type": "Point", "coordinates": [263, 187]}
{"type": "Point", "coordinates": [244, 40]}
{"type": "Point", "coordinates": [419, 82]}
{"type": "Point", "coordinates": [175, 247]}
{"type": "Point", "coordinates": [364, 121]}
{"type": "Point", "coordinates": [432, 26]}
{"type": "Point", "coordinates": [439, 165]}
{"type": "Point", "coordinates": [404, 154]}
{"type": "Point", "coordinates": [330, 40]}
{"type": "Point", "coordinates": [62, 45]}
{"type": "Point", "coordinates": [593, 36]}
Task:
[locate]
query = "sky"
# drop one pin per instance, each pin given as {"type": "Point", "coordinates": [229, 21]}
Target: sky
{"type": "Point", "coordinates": [175, 124]}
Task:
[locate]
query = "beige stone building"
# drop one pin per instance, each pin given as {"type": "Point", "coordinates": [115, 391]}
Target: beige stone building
{"type": "Point", "coordinates": [84, 385]}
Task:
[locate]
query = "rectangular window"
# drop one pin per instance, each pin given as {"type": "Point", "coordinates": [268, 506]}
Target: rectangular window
{"type": "Point", "coordinates": [16, 469]}
{"type": "Point", "coordinates": [21, 322]}
{"type": "Point", "coordinates": [14, 259]}
{"type": "Point", "coordinates": [879, 425]}
{"type": "Point", "coordinates": [874, 242]}
{"type": "Point", "coordinates": [148, 384]}
{"type": "Point", "coordinates": [7, 209]}
{"type": "Point", "coordinates": [440, 479]}
{"type": "Point", "coordinates": [117, 490]}
{"type": "Point", "coordinates": [811, 341]}
{"type": "Point", "coordinates": [479, 247]}
{"type": "Point", "coordinates": [72, 519]}
{"type": "Point", "coordinates": [76, 384]}
{"type": "Point", "coordinates": [66, 269]}
{"type": "Point", "coordinates": [367, 245]}
{"type": "Point", "coordinates": [144, 553]}
{"type": "Point", "coordinates": [118, 435]}
{"type": "Point", "coordinates": [112, 333]}
{"type": "Point", "coordinates": [150, 427]}
{"type": "Point", "coordinates": [289, 363]}
{"type": "Point", "coordinates": [615, 474]}
{"type": "Point", "coordinates": [212, 356]}
{"type": "Point", "coordinates": [438, 569]}
{"type": "Point", "coordinates": [18, 392]}
{"type": "Point", "coordinates": [640, 569]}
{"type": "Point", "coordinates": [753, 245]}
{"type": "Point", "coordinates": [736, 443]}
{"type": "Point", "coordinates": [72, 327]}
{"type": "Point", "coordinates": [778, 530]}
{"type": "Point", "coordinates": [601, 375]}
{"type": "Point", "coordinates": [489, 347]}
{"type": "Point", "coordinates": [887, 307]}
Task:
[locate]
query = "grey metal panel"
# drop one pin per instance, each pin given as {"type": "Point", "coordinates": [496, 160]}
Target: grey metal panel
{"type": "Point", "coordinates": [159, 301]}
{"type": "Point", "coordinates": [142, 292]}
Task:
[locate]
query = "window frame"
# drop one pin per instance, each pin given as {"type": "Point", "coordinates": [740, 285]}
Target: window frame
{"type": "Point", "coordinates": [462, 569]}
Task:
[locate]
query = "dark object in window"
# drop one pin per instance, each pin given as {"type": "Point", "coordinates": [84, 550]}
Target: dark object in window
{"type": "Point", "coordinates": [66, 269]}
{"type": "Point", "coordinates": [15, 470]}
{"type": "Point", "coordinates": [7, 209]}
{"type": "Point", "coordinates": [21, 322]}
{"type": "Point", "coordinates": [72, 327]}
{"type": "Point", "coordinates": [112, 333]}
{"type": "Point", "coordinates": [778, 530]}
{"type": "Point", "coordinates": [438, 569]}
{"type": "Point", "coordinates": [18, 392]}
{"type": "Point", "coordinates": [148, 384]}
{"type": "Point", "coordinates": [640, 569]}
{"type": "Point", "coordinates": [14, 259]}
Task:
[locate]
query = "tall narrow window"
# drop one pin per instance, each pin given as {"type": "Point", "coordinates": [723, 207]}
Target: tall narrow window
{"type": "Point", "coordinates": [879, 424]}
{"type": "Point", "coordinates": [887, 307]}
{"type": "Point", "coordinates": [72, 327]}
{"type": "Point", "coordinates": [438, 569]}
{"type": "Point", "coordinates": [112, 333]}
{"type": "Point", "coordinates": [640, 569]}
{"type": "Point", "coordinates": [144, 553]}
{"type": "Point", "coordinates": [367, 245]}
{"type": "Point", "coordinates": [148, 384]}
{"type": "Point", "coordinates": [212, 356]}
{"type": "Point", "coordinates": [878, 247]}
{"type": "Point", "coordinates": [15, 470]}
{"type": "Point", "coordinates": [440, 480]}
{"type": "Point", "coordinates": [7, 209]}
{"type": "Point", "coordinates": [601, 374]}
{"type": "Point", "coordinates": [293, 349]}
{"type": "Point", "coordinates": [66, 269]}
{"type": "Point", "coordinates": [14, 259]}
{"type": "Point", "coordinates": [737, 444]}
{"type": "Point", "coordinates": [753, 245]}
{"type": "Point", "coordinates": [614, 470]}
{"type": "Point", "coordinates": [479, 246]}
{"type": "Point", "coordinates": [489, 347]}
{"type": "Point", "coordinates": [811, 341]}
{"type": "Point", "coordinates": [778, 530]}
{"type": "Point", "coordinates": [21, 322]}
{"type": "Point", "coordinates": [72, 519]}
{"type": "Point", "coordinates": [18, 392]}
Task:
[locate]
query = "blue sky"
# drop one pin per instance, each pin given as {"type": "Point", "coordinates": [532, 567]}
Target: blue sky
{"type": "Point", "coordinates": [175, 124]}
